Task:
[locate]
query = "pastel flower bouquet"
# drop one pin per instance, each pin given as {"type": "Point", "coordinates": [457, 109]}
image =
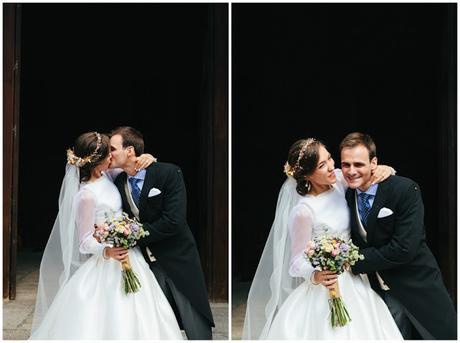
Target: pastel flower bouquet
{"type": "Point", "coordinates": [336, 255]}
{"type": "Point", "coordinates": [122, 232]}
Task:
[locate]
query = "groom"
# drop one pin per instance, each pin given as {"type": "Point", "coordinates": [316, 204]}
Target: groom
{"type": "Point", "coordinates": [157, 197]}
{"type": "Point", "coordinates": [387, 225]}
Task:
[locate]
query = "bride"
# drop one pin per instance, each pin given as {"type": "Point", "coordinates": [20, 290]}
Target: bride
{"type": "Point", "coordinates": [288, 298]}
{"type": "Point", "coordinates": [80, 294]}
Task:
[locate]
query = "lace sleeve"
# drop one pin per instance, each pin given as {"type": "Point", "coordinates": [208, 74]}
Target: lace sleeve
{"type": "Point", "coordinates": [85, 219]}
{"type": "Point", "coordinates": [300, 230]}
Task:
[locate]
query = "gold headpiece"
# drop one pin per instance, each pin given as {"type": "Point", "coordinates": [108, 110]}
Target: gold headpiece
{"type": "Point", "coordinates": [290, 170]}
{"type": "Point", "coordinates": [79, 161]}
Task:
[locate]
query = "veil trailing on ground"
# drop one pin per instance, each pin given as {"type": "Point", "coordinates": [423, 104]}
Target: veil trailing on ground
{"type": "Point", "coordinates": [61, 257]}
{"type": "Point", "coordinates": [272, 283]}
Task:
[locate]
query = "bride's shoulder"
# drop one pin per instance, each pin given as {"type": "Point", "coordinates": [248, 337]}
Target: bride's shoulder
{"type": "Point", "coordinates": [112, 174]}
{"type": "Point", "coordinates": [338, 172]}
{"type": "Point", "coordinates": [341, 183]}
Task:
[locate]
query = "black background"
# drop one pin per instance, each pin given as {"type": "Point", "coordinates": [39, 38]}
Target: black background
{"type": "Point", "coordinates": [89, 67]}
{"type": "Point", "coordinates": [324, 70]}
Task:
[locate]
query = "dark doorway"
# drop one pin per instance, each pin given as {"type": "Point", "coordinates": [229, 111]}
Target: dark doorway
{"type": "Point", "coordinates": [324, 70]}
{"type": "Point", "coordinates": [93, 67]}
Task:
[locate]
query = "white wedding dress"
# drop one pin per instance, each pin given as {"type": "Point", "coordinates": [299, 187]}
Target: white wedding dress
{"type": "Point", "coordinates": [92, 303]}
{"type": "Point", "coordinates": [305, 313]}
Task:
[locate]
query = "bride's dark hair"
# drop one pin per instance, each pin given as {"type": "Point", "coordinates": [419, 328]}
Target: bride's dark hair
{"type": "Point", "coordinates": [305, 165]}
{"type": "Point", "coordinates": [85, 145]}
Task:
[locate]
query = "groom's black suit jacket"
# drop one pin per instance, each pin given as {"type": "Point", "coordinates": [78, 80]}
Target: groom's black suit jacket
{"type": "Point", "coordinates": [397, 250]}
{"type": "Point", "coordinates": [170, 239]}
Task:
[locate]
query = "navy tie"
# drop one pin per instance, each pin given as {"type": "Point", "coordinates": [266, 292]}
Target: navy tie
{"type": "Point", "coordinates": [135, 190]}
{"type": "Point", "coordinates": [365, 207]}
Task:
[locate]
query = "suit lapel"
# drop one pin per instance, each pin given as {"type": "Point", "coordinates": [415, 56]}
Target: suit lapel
{"type": "Point", "coordinates": [350, 195]}
{"type": "Point", "coordinates": [380, 198]}
{"type": "Point", "coordinates": [147, 186]}
{"type": "Point", "coordinates": [121, 188]}
{"type": "Point", "coordinates": [354, 221]}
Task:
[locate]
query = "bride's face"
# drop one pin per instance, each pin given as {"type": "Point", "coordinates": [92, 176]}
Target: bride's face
{"type": "Point", "coordinates": [324, 172]}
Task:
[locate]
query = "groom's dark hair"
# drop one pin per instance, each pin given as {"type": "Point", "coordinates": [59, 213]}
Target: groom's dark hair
{"type": "Point", "coordinates": [131, 137]}
{"type": "Point", "coordinates": [357, 138]}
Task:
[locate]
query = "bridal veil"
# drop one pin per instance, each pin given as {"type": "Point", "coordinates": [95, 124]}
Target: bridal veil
{"type": "Point", "coordinates": [61, 257]}
{"type": "Point", "coordinates": [272, 283]}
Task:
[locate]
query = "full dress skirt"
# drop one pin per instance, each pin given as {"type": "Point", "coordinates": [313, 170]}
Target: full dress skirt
{"type": "Point", "coordinates": [306, 315]}
{"type": "Point", "coordinates": [93, 305]}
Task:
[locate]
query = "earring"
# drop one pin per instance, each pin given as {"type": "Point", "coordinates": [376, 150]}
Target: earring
{"type": "Point", "coordinates": [308, 185]}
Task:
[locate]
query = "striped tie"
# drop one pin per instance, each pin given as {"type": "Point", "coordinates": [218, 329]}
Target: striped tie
{"type": "Point", "coordinates": [135, 190]}
{"type": "Point", "coordinates": [365, 207]}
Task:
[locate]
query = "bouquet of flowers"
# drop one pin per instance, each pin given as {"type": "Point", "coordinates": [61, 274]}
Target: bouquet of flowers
{"type": "Point", "coordinates": [122, 232]}
{"type": "Point", "coordinates": [336, 255]}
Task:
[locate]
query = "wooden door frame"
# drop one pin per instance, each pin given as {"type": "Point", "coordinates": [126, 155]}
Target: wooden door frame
{"type": "Point", "coordinates": [213, 235]}
{"type": "Point", "coordinates": [11, 91]}
{"type": "Point", "coordinates": [447, 161]}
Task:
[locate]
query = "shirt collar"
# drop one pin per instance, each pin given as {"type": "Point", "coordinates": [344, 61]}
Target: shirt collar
{"type": "Point", "coordinates": [372, 190]}
{"type": "Point", "coordinates": [140, 175]}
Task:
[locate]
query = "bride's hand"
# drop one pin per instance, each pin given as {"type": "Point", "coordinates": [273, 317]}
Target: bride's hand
{"type": "Point", "coordinates": [119, 254]}
{"type": "Point", "coordinates": [326, 278]}
{"type": "Point", "coordinates": [381, 173]}
{"type": "Point", "coordinates": [143, 161]}
{"type": "Point", "coordinates": [95, 235]}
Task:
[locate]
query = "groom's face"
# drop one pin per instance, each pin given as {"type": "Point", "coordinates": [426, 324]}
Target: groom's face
{"type": "Point", "coordinates": [119, 154]}
{"type": "Point", "coordinates": [357, 168]}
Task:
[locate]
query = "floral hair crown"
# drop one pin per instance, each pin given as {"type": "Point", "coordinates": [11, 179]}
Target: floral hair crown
{"type": "Point", "coordinates": [290, 170]}
{"type": "Point", "coordinates": [79, 161]}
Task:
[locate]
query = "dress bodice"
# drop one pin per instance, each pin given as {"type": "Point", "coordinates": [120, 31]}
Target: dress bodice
{"type": "Point", "coordinates": [330, 214]}
{"type": "Point", "coordinates": [106, 196]}
{"type": "Point", "coordinates": [94, 203]}
{"type": "Point", "coordinates": [316, 216]}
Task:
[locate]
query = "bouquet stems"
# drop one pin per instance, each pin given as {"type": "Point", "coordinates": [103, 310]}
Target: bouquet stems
{"type": "Point", "coordinates": [339, 313]}
{"type": "Point", "coordinates": [130, 280]}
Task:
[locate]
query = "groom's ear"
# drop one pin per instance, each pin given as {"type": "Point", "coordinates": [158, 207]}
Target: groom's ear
{"type": "Point", "coordinates": [131, 151]}
{"type": "Point", "coordinates": [374, 164]}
